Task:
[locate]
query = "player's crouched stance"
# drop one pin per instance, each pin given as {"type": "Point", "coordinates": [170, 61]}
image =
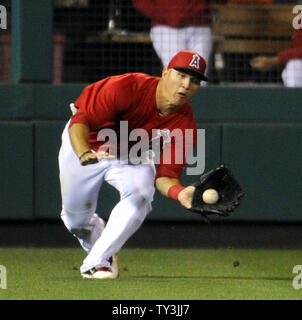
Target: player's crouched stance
{"type": "Point", "coordinates": [145, 102]}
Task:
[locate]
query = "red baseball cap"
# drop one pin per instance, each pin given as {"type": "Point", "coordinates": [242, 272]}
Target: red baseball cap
{"type": "Point", "coordinates": [189, 62]}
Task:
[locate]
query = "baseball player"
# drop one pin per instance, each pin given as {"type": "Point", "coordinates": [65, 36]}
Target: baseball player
{"type": "Point", "coordinates": [289, 59]}
{"type": "Point", "coordinates": [178, 25]}
{"type": "Point", "coordinates": [86, 160]}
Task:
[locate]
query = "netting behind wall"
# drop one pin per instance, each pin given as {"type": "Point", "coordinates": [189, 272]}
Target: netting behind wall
{"type": "Point", "coordinates": [95, 48]}
{"type": "Point", "coordinates": [102, 38]}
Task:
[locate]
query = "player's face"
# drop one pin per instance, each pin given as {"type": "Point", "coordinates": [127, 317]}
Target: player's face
{"type": "Point", "coordinates": [180, 87]}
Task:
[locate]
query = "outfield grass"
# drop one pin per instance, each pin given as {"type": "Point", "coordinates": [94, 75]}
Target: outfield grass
{"type": "Point", "coordinates": [153, 274]}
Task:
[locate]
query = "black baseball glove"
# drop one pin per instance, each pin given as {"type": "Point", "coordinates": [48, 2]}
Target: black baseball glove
{"type": "Point", "coordinates": [229, 190]}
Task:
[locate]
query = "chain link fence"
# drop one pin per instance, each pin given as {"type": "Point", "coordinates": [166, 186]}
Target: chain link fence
{"type": "Point", "coordinates": [94, 39]}
{"type": "Point", "coordinates": [111, 37]}
{"type": "Point", "coordinates": [103, 38]}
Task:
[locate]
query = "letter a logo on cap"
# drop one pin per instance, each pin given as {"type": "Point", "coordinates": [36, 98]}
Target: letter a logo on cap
{"type": "Point", "coordinates": [195, 61]}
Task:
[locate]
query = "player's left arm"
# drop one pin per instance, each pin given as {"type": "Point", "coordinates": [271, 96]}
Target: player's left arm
{"type": "Point", "coordinates": [172, 188]}
{"type": "Point", "coordinates": [168, 175]}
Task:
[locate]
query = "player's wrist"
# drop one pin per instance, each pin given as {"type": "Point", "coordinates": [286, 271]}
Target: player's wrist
{"type": "Point", "coordinates": [83, 154]}
{"type": "Point", "coordinates": [174, 191]}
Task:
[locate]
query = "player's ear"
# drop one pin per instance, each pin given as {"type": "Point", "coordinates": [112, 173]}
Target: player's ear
{"type": "Point", "coordinates": [164, 72]}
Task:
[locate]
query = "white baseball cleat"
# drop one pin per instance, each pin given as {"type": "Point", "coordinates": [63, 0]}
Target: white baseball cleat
{"type": "Point", "coordinates": [111, 272]}
{"type": "Point", "coordinates": [104, 272]}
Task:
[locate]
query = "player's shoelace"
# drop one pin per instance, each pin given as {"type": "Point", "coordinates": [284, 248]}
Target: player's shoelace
{"type": "Point", "coordinates": [96, 269]}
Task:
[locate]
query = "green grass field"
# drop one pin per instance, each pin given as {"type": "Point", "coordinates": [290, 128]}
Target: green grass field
{"type": "Point", "coordinates": [153, 274]}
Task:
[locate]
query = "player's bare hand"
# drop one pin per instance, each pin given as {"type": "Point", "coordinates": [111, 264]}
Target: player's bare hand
{"type": "Point", "coordinates": [88, 158]}
{"type": "Point", "coordinates": [185, 196]}
{"type": "Point", "coordinates": [94, 157]}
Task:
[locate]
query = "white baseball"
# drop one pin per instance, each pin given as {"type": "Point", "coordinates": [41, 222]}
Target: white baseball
{"type": "Point", "coordinates": [210, 196]}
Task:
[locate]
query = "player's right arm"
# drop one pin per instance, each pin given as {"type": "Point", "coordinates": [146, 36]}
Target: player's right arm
{"type": "Point", "coordinates": [79, 134]}
{"type": "Point", "coordinates": [99, 103]}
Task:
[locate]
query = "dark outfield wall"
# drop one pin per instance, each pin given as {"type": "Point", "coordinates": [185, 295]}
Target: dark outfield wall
{"type": "Point", "coordinates": [256, 131]}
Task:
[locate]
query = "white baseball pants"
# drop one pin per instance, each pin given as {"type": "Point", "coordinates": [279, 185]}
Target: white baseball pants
{"type": "Point", "coordinates": [80, 186]}
{"type": "Point", "coordinates": [292, 73]}
{"type": "Point", "coordinates": [168, 41]}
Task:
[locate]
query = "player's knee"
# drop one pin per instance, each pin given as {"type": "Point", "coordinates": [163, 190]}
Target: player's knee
{"type": "Point", "coordinates": [142, 186]}
{"type": "Point", "coordinates": [142, 194]}
{"type": "Point", "coordinates": [148, 192]}
{"type": "Point", "coordinates": [74, 221]}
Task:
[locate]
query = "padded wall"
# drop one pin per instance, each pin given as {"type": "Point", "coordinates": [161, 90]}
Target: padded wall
{"type": "Point", "coordinates": [16, 171]}
{"type": "Point", "coordinates": [257, 132]}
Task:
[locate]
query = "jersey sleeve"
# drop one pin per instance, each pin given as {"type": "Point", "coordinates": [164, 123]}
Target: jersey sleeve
{"type": "Point", "coordinates": [174, 157]}
{"type": "Point", "coordinates": [102, 101]}
{"type": "Point", "coordinates": [289, 54]}
{"type": "Point", "coordinates": [145, 6]}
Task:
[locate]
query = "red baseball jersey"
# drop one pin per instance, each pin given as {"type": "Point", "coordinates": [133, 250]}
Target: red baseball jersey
{"type": "Point", "coordinates": [180, 13]}
{"type": "Point", "coordinates": [294, 52]}
{"type": "Point", "coordinates": [131, 97]}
